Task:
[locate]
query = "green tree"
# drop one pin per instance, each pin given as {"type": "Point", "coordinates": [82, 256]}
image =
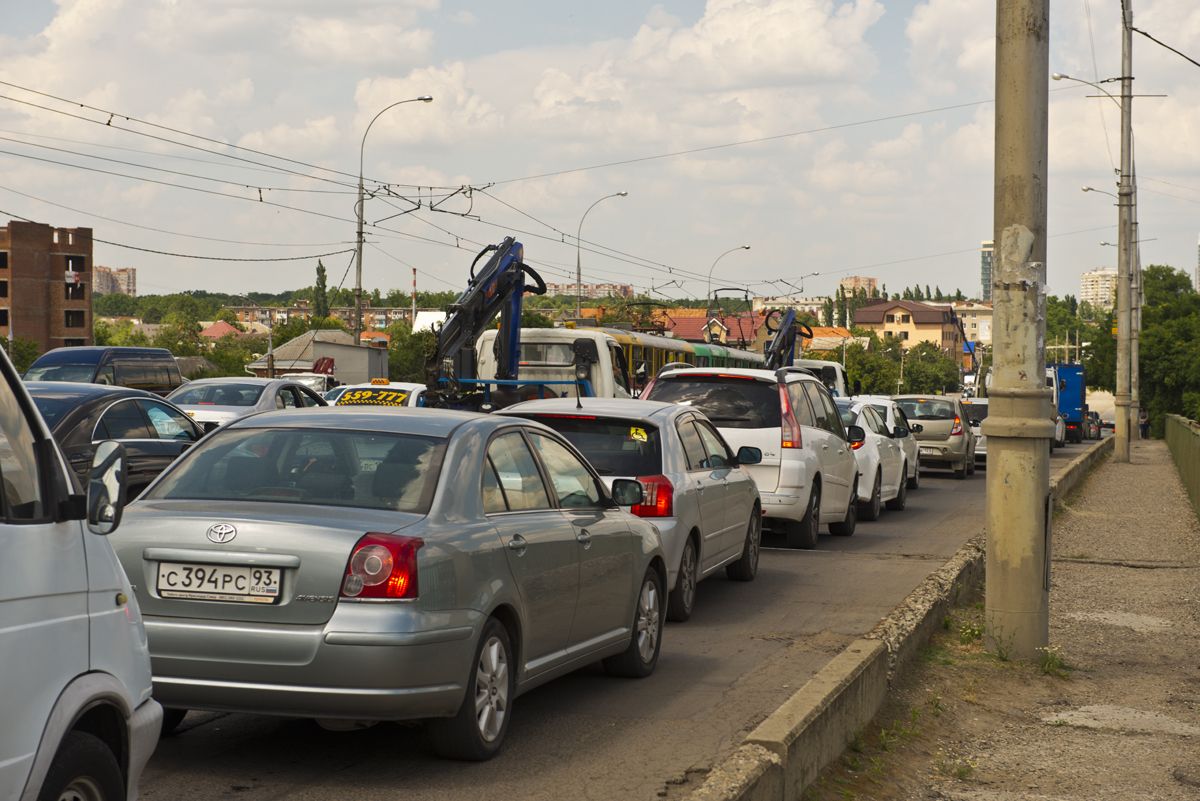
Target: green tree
{"type": "Point", "coordinates": [877, 370]}
{"type": "Point", "coordinates": [320, 293]}
{"type": "Point", "coordinates": [22, 352]}
{"type": "Point", "coordinates": [829, 312]}
{"type": "Point", "coordinates": [180, 334]}
{"type": "Point", "coordinates": [927, 369]}
{"type": "Point", "coordinates": [408, 351]}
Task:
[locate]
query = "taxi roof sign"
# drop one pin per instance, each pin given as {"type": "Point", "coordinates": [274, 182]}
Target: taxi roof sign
{"type": "Point", "coordinates": [380, 382]}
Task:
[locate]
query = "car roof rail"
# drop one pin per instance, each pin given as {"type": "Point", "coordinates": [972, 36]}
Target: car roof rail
{"type": "Point", "coordinates": [782, 373]}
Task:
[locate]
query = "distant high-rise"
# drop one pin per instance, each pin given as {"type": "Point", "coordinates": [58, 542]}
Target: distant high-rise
{"type": "Point", "coordinates": [853, 283]}
{"type": "Point", "coordinates": [114, 280]}
{"type": "Point", "coordinates": [1098, 288]}
{"type": "Point", "coordinates": [985, 270]}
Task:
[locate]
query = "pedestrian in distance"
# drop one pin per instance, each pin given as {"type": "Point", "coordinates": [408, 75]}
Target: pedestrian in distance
{"type": "Point", "coordinates": [1144, 423]}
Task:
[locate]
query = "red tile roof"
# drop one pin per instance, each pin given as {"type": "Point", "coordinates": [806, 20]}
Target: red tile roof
{"type": "Point", "coordinates": [219, 329]}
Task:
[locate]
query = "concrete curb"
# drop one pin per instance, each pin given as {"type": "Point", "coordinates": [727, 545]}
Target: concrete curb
{"type": "Point", "coordinates": [789, 749]}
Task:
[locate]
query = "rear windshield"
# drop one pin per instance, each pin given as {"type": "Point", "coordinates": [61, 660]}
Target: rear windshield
{"type": "Point", "coordinates": [52, 409]}
{"type": "Point", "coordinates": [730, 402]}
{"type": "Point", "coordinates": [976, 412]}
{"type": "Point", "coordinates": [614, 447]}
{"type": "Point", "coordinates": [369, 470]}
{"type": "Point", "coordinates": [61, 372]}
{"type": "Point", "coordinates": [217, 394]}
{"type": "Point", "coordinates": [926, 408]}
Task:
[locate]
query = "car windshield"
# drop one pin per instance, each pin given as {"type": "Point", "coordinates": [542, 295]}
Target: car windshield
{"type": "Point", "coordinates": [222, 394]}
{"type": "Point", "coordinates": [927, 408]}
{"type": "Point", "coordinates": [362, 469]}
{"type": "Point", "coordinates": [729, 401]}
{"type": "Point", "coordinates": [976, 412]}
{"type": "Point", "coordinates": [53, 409]}
{"type": "Point", "coordinates": [614, 447]}
{"type": "Point", "coordinates": [61, 372]}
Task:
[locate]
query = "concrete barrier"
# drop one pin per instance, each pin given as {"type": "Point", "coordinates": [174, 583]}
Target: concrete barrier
{"type": "Point", "coordinates": [1183, 440]}
{"type": "Point", "coordinates": [787, 751]}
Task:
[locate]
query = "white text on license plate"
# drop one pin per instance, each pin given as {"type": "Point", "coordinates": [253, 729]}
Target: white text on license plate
{"type": "Point", "coordinates": [255, 585]}
{"type": "Point", "coordinates": [929, 451]}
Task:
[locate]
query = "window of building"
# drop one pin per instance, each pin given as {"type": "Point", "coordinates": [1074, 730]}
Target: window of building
{"type": "Point", "coordinates": [3, 316]}
{"type": "Point", "coordinates": [75, 263]}
{"type": "Point", "coordinates": [890, 318]}
{"type": "Point", "coordinates": [3, 259]}
{"type": "Point", "coordinates": [904, 318]}
{"type": "Point", "coordinates": [74, 292]}
{"type": "Point", "coordinates": [904, 335]}
{"type": "Point", "coordinates": [73, 318]}
{"type": "Point", "coordinates": [3, 289]}
{"type": "Point", "coordinates": [73, 343]}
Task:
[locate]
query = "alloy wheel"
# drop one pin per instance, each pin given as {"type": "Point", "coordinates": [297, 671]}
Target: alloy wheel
{"type": "Point", "coordinates": [648, 620]}
{"type": "Point", "coordinates": [687, 574]}
{"type": "Point", "coordinates": [491, 689]}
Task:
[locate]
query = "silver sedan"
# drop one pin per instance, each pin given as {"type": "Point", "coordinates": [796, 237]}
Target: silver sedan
{"type": "Point", "coordinates": [697, 494]}
{"type": "Point", "coordinates": [213, 402]}
{"type": "Point", "coordinates": [388, 564]}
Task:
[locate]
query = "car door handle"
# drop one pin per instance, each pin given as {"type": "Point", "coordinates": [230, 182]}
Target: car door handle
{"type": "Point", "coordinates": [518, 544]}
{"type": "Point", "coordinates": [584, 537]}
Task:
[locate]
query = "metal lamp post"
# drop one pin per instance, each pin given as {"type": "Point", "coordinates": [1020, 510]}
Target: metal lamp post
{"type": "Point", "coordinates": [578, 259]}
{"type": "Point", "coordinates": [358, 249]}
{"type": "Point", "coordinates": [708, 287]}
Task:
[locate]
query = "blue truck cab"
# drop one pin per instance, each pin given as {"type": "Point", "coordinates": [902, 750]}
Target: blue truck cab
{"type": "Point", "coordinates": [1072, 404]}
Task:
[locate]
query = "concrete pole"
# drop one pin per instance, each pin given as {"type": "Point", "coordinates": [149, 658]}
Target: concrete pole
{"type": "Point", "coordinates": [1019, 426]}
{"type": "Point", "coordinates": [1135, 319]}
{"type": "Point", "coordinates": [1124, 245]}
{"type": "Point", "coordinates": [412, 323]}
{"type": "Point", "coordinates": [358, 248]}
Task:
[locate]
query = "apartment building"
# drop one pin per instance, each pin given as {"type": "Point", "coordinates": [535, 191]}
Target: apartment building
{"type": "Point", "coordinates": [114, 280]}
{"type": "Point", "coordinates": [912, 322]}
{"type": "Point", "coordinates": [593, 291]}
{"type": "Point", "coordinates": [46, 284]}
{"type": "Point", "coordinates": [1099, 288]}
{"type": "Point", "coordinates": [853, 283]}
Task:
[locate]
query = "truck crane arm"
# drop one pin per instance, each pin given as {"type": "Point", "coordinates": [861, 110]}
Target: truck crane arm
{"type": "Point", "coordinates": [780, 350]}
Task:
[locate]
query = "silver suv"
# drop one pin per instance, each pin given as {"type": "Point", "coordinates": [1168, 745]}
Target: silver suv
{"type": "Point", "coordinates": [808, 474]}
{"type": "Point", "coordinates": [79, 721]}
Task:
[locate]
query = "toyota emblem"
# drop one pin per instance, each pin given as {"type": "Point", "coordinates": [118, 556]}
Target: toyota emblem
{"type": "Point", "coordinates": [222, 532]}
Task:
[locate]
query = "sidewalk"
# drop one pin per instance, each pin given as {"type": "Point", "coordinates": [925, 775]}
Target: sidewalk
{"type": "Point", "coordinates": [1113, 711]}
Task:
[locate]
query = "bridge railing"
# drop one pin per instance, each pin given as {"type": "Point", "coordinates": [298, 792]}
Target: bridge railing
{"type": "Point", "coordinates": [1183, 440]}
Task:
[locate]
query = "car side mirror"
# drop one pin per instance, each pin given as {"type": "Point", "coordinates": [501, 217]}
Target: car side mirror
{"type": "Point", "coordinates": [749, 455]}
{"type": "Point", "coordinates": [106, 488]}
{"type": "Point", "coordinates": [855, 434]}
{"type": "Point", "coordinates": [917, 428]}
{"type": "Point", "coordinates": [899, 432]}
{"type": "Point", "coordinates": [857, 386]}
{"type": "Point", "coordinates": [627, 492]}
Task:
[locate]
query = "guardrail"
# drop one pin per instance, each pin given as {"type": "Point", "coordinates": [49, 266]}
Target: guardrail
{"type": "Point", "coordinates": [1183, 440]}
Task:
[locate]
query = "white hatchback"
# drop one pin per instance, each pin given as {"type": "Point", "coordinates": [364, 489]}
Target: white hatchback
{"type": "Point", "coordinates": [895, 420]}
{"type": "Point", "coordinates": [882, 463]}
{"type": "Point", "coordinates": [808, 475]}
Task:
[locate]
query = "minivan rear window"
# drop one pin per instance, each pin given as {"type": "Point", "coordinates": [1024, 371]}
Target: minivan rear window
{"type": "Point", "coordinates": [976, 412]}
{"type": "Point", "coordinates": [729, 401]}
{"type": "Point", "coordinates": [61, 372]}
{"type": "Point", "coordinates": [927, 408]}
{"type": "Point", "coordinates": [614, 447]}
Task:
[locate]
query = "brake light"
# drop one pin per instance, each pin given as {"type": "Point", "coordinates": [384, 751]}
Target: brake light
{"type": "Point", "coordinates": [566, 416]}
{"type": "Point", "coordinates": [956, 430]}
{"type": "Point", "coordinates": [382, 566]}
{"type": "Point", "coordinates": [659, 500]}
{"type": "Point", "coordinates": [789, 428]}
{"type": "Point", "coordinates": [1072, 425]}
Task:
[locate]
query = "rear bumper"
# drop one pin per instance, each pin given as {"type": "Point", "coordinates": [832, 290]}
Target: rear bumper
{"type": "Point", "coordinates": [145, 724]}
{"type": "Point", "coordinates": [376, 662]}
{"type": "Point", "coordinates": [790, 504]}
{"type": "Point", "coordinates": [941, 453]}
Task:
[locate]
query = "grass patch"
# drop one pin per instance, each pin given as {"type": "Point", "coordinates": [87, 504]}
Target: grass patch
{"type": "Point", "coordinates": [1051, 662]}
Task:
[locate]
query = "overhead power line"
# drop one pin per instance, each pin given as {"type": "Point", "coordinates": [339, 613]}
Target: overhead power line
{"type": "Point", "coordinates": [1167, 46]}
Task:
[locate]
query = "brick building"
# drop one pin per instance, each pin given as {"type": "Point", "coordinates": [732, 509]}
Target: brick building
{"type": "Point", "coordinates": [46, 284]}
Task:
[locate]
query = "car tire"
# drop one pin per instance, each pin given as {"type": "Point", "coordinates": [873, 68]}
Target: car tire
{"type": "Point", "coordinates": [960, 471]}
{"type": "Point", "coordinates": [915, 481]}
{"type": "Point", "coordinates": [850, 522]}
{"type": "Point", "coordinates": [638, 660]}
{"type": "Point", "coordinates": [171, 719]}
{"type": "Point", "coordinates": [803, 533]}
{"type": "Point", "coordinates": [746, 568]}
{"type": "Point", "coordinates": [971, 465]}
{"type": "Point", "coordinates": [477, 731]}
{"type": "Point", "coordinates": [682, 599]}
{"type": "Point", "coordinates": [898, 503]}
{"type": "Point", "coordinates": [84, 767]}
{"type": "Point", "coordinates": [869, 510]}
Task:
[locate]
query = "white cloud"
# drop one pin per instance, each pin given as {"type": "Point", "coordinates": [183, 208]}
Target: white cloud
{"type": "Point", "coordinates": [953, 44]}
{"type": "Point", "coordinates": [363, 41]}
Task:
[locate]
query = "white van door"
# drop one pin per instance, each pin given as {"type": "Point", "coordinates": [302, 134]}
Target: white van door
{"type": "Point", "coordinates": [43, 588]}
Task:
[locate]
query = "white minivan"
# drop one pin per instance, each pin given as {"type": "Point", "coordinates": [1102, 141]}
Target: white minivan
{"type": "Point", "coordinates": [78, 719]}
{"type": "Point", "coordinates": [808, 474]}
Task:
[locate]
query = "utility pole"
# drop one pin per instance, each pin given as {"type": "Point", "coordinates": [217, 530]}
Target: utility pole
{"type": "Point", "coordinates": [1124, 243]}
{"type": "Point", "coordinates": [1019, 425]}
{"type": "Point", "coordinates": [1135, 315]}
{"type": "Point", "coordinates": [412, 324]}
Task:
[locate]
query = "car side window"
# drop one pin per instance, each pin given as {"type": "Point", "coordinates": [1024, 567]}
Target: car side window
{"type": "Point", "coordinates": [493, 496]}
{"type": "Point", "coordinates": [574, 485]}
{"type": "Point", "coordinates": [718, 453]}
{"type": "Point", "coordinates": [693, 447]}
{"type": "Point", "coordinates": [167, 423]}
{"type": "Point", "coordinates": [285, 399]}
{"type": "Point", "coordinates": [821, 415]}
{"type": "Point", "coordinates": [308, 398]}
{"type": "Point", "coordinates": [123, 420]}
{"type": "Point", "coordinates": [830, 411]}
{"type": "Point", "coordinates": [873, 422]}
{"type": "Point", "coordinates": [19, 485]}
{"type": "Point", "coordinates": [901, 420]}
{"type": "Point", "coordinates": [799, 402]}
{"type": "Point", "coordinates": [517, 474]}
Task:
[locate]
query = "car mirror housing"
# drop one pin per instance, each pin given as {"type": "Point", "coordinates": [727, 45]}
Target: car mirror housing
{"type": "Point", "coordinates": [749, 455]}
{"type": "Point", "coordinates": [106, 488]}
{"type": "Point", "coordinates": [855, 434]}
{"type": "Point", "coordinates": [899, 432]}
{"type": "Point", "coordinates": [917, 428]}
{"type": "Point", "coordinates": [627, 492]}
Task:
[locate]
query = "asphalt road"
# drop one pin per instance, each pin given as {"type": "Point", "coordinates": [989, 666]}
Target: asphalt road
{"type": "Point", "coordinates": [590, 736]}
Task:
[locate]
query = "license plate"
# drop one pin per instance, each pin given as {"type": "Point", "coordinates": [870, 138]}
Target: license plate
{"type": "Point", "coordinates": [929, 451]}
{"type": "Point", "coordinates": [251, 585]}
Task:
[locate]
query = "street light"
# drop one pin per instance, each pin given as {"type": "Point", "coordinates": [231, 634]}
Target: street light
{"type": "Point", "coordinates": [578, 262]}
{"type": "Point", "coordinates": [359, 239]}
{"type": "Point", "coordinates": [708, 289]}
{"type": "Point", "coordinates": [1094, 189]}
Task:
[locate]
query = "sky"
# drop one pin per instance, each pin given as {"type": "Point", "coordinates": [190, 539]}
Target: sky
{"type": "Point", "coordinates": [232, 131]}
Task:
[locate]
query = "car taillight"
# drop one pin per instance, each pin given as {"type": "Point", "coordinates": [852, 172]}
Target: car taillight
{"type": "Point", "coordinates": [789, 427]}
{"type": "Point", "coordinates": [659, 498]}
{"type": "Point", "coordinates": [956, 430]}
{"type": "Point", "coordinates": [382, 566]}
{"type": "Point", "coordinates": [856, 445]}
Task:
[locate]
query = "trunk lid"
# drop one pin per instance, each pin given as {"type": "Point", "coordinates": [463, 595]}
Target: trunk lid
{"type": "Point", "coordinates": [307, 545]}
{"type": "Point", "coordinates": [767, 440]}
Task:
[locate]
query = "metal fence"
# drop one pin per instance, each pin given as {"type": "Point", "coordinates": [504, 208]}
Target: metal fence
{"type": "Point", "coordinates": [1183, 440]}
